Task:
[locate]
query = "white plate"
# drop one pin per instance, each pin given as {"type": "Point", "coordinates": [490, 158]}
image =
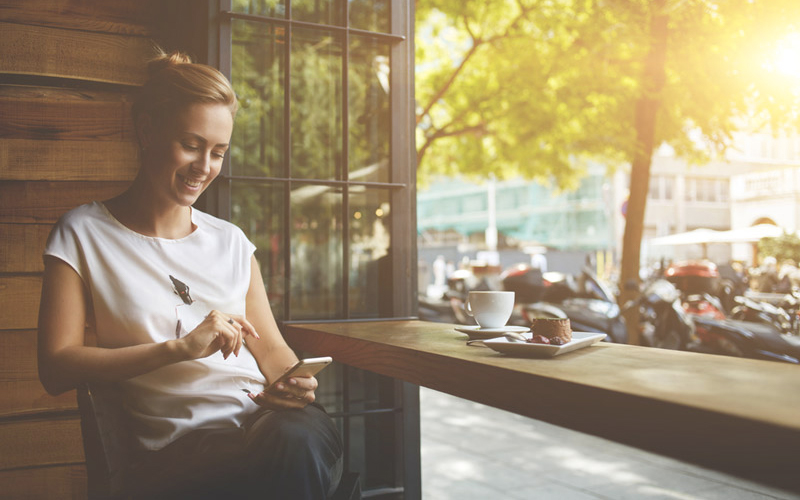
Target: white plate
{"type": "Point", "coordinates": [579, 340]}
{"type": "Point", "coordinates": [476, 332]}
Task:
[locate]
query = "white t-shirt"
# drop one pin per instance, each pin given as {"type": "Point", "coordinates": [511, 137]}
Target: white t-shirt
{"type": "Point", "coordinates": [146, 289]}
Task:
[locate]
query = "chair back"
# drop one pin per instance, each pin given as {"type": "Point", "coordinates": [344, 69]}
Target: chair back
{"type": "Point", "coordinates": [106, 440]}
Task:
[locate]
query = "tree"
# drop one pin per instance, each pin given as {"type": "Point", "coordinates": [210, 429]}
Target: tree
{"type": "Point", "coordinates": [535, 87]}
{"type": "Point", "coordinates": [502, 89]}
{"type": "Point", "coordinates": [784, 247]}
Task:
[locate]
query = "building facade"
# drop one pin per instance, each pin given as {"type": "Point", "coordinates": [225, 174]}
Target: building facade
{"type": "Point", "coordinates": [756, 182]}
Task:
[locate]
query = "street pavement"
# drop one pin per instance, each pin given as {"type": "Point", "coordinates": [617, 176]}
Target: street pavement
{"type": "Point", "coordinates": [475, 452]}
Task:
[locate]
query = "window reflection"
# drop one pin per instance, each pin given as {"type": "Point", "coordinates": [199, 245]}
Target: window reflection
{"type": "Point", "coordinates": [316, 104]}
{"type": "Point", "coordinates": [370, 437]}
{"type": "Point", "coordinates": [371, 15]}
{"type": "Point", "coordinates": [369, 112]}
{"type": "Point", "coordinates": [316, 258]}
{"type": "Point", "coordinates": [258, 210]}
{"type": "Point", "coordinates": [271, 8]}
{"type": "Point", "coordinates": [370, 260]}
{"type": "Point", "coordinates": [258, 76]}
{"type": "Point", "coordinates": [319, 11]}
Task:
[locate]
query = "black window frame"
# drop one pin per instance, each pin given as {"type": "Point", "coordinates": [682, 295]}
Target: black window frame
{"type": "Point", "coordinates": [400, 398]}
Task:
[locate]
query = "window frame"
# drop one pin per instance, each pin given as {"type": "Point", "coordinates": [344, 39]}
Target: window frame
{"type": "Point", "coordinates": [401, 398]}
{"type": "Point", "coordinates": [402, 185]}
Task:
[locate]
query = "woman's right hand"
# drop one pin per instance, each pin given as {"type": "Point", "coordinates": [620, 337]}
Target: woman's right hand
{"type": "Point", "coordinates": [217, 332]}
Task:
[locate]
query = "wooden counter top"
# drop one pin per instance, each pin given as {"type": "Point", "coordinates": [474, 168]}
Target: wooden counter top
{"type": "Point", "coordinates": [737, 415]}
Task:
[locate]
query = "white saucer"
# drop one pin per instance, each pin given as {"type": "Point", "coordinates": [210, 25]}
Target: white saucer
{"type": "Point", "coordinates": [579, 340]}
{"type": "Point", "coordinates": [476, 332]}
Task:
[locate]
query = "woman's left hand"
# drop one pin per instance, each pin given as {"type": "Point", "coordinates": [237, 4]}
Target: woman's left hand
{"type": "Point", "coordinates": [296, 392]}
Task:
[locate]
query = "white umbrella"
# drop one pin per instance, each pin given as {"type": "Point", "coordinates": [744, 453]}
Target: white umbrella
{"type": "Point", "coordinates": [696, 237]}
{"type": "Point", "coordinates": [750, 234]}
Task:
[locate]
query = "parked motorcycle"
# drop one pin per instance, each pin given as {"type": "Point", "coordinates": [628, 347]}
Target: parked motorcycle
{"type": "Point", "coordinates": [450, 307]}
{"type": "Point", "coordinates": [583, 299]}
{"type": "Point", "coordinates": [663, 320]}
{"type": "Point", "coordinates": [746, 339]}
{"type": "Point", "coordinates": [755, 311]}
{"type": "Point", "coordinates": [670, 321]}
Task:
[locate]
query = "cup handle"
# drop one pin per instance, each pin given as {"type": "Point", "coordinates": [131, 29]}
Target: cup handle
{"type": "Point", "coordinates": [468, 309]}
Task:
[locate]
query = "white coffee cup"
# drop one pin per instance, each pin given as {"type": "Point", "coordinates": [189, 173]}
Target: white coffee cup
{"type": "Point", "coordinates": [490, 309]}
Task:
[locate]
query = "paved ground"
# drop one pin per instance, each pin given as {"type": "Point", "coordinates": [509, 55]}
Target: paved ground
{"type": "Point", "coordinates": [474, 452]}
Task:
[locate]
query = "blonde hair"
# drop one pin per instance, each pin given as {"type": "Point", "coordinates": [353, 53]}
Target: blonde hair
{"type": "Point", "coordinates": [175, 82]}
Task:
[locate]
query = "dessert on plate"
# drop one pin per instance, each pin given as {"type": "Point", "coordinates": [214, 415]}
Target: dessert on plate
{"type": "Point", "coordinates": [555, 331]}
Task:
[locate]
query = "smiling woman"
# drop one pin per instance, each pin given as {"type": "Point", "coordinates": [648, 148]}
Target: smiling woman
{"type": "Point", "coordinates": [180, 158]}
{"type": "Point", "coordinates": [126, 266]}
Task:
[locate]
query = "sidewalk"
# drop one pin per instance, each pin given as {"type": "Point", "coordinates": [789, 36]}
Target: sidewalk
{"type": "Point", "coordinates": [475, 452]}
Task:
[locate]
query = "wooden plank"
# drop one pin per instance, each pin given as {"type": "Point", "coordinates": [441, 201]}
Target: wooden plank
{"type": "Point", "coordinates": [61, 481]}
{"type": "Point", "coordinates": [20, 298]}
{"type": "Point", "coordinates": [18, 355]}
{"type": "Point", "coordinates": [28, 397]}
{"type": "Point", "coordinates": [22, 159]}
{"type": "Point", "coordinates": [20, 390]}
{"type": "Point", "coordinates": [38, 442]}
{"type": "Point", "coordinates": [45, 202]}
{"type": "Point", "coordinates": [130, 18]}
{"type": "Point", "coordinates": [66, 134]}
{"type": "Point", "coordinates": [21, 246]}
{"type": "Point", "coordinates": [65, 114]}
{"type": "Point", "coordinates": [35, 50]}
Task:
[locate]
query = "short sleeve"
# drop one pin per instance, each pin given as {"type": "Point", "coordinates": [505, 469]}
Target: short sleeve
{"type": "Point", "coordinates": [63, 243]}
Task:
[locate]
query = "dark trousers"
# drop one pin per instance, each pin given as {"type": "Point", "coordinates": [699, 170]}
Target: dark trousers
{"type": "Point", "coordinates": [289, 454]}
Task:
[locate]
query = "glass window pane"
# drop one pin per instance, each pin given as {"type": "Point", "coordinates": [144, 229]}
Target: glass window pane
{"type": "Point", "coordinates": [371, 438]}
{"type": "Point", "coordinates": [370, 260]}
{"type": "Point", "coordinates": [330, 391]}
{"type": "Point", "coordinates": [319, 11]}
{"type": "Point", "coordinates": [272, 8]}
{"type": "Point", "coordinates": [369, 110]}
{"type": "Point", "coordinates": [316, 104]}
{"type": "Point", "coordinates": [258, 210]}
{"type": "Point", "coordinates": [371, 15]}
{"type": "Point", "coordinates": [316, 259]}
{"type": "Point", "coordinates": [258, 76]}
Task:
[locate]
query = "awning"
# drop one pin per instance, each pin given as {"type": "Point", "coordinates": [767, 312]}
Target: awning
{"type": "Point", "coordinates": [750, 234]}
{"type": "Point", "coordinates": [696, 237]}
{"type": "Point", "coordinates": [704, 236]}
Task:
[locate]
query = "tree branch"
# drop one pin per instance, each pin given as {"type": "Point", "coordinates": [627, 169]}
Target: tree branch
{"type": "Point", "coordinates": [449, 82]}
{"type": "Point", "coordinates": [476, 43]}
{"type": "Point", "coordinates": [441, 133]}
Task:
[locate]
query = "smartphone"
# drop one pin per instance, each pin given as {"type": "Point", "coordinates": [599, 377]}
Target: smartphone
{"type": "Point", "coordinates": [304, 368]}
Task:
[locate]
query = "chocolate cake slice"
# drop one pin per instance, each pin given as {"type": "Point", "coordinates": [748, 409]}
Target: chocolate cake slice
{"type": "Point", "coordinates": [557, 330]}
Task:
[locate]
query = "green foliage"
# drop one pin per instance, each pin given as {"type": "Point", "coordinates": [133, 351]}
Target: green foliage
{"type": "Point", "coordinates": [782, 248]}
{"type": "Point", "coordinates": [534, 87]}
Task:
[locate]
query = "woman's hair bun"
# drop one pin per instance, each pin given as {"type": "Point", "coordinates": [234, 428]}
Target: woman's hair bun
{"type": "Point", "coordinates": [164, 60]}
{"type": "Point", "coordinates": [174, 81]}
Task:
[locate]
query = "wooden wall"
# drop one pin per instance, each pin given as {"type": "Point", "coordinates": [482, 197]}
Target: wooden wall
{"type": "Point", "coordinates": [67, 70]}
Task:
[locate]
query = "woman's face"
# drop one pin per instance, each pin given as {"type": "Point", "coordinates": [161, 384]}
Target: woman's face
{"type": "Point", "coordinates": [184, 155]}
